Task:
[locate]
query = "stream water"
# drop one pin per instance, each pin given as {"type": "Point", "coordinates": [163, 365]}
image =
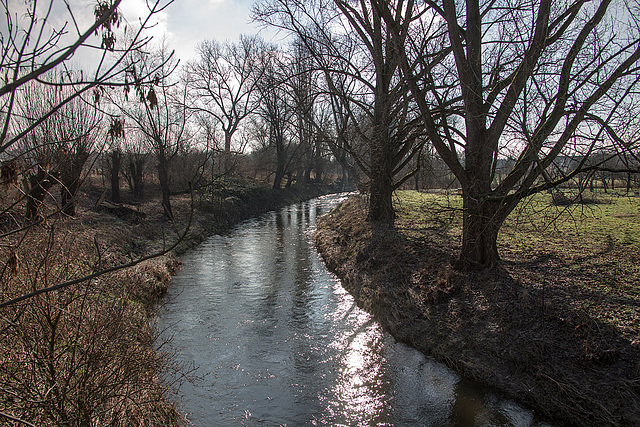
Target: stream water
{"type": "Point", "coordinates": [278, 341]}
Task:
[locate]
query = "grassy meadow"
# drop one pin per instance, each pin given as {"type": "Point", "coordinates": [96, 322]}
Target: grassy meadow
{"type": "Point", "coordinates": [592, 247]}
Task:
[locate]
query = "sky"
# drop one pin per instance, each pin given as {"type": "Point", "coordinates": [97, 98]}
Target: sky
{"type": "Point", "coordinates": [185, 23]}
{"type": "Point", "coordinates": [188, 22]}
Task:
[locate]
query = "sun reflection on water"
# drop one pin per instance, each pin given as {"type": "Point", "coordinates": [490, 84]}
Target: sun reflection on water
{"type": "Point", "coordinates": [359, 396]}
{"type": "Point", "coordinates": [282, 343]}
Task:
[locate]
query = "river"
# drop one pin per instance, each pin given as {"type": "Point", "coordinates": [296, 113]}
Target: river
{"type": "Point", "coordinates": [278, 341]}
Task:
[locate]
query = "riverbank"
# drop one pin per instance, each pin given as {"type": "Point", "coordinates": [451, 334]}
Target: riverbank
{"type": "Point", "coordinates": [555, 328]}
{"type": "Point", "coordinates": [88, 354]}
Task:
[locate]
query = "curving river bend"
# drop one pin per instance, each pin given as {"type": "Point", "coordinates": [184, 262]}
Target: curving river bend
{"type": "Point", "coordinates": [278, 341]}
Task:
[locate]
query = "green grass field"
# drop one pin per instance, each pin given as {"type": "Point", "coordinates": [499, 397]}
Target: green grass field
{"type": "Point", "coordinates": [590, 249]}
{"type": "Point", "coordinates": [614, 221]}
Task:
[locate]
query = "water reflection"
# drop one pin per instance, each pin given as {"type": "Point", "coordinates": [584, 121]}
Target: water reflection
{"type": "Point", "coordinates": [359, 395]}
{"type": "Point", "coordinates": [280, 342]}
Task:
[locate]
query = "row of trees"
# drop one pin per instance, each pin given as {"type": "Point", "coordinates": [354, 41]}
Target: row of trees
{"type": "Point", "coordinates": [50, 126]}
{"type": "Point", "coordinates": [500, 93]}
{"type": "Point", "coordinates": [239, 106]}
{"type": "Point", "coordinates": [530, 81]}
{"type": "Point", "coordinates": [193, 123]}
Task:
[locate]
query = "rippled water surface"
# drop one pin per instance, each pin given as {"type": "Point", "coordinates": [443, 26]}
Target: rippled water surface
{"type": "Point", "coordinates": [278, 341]}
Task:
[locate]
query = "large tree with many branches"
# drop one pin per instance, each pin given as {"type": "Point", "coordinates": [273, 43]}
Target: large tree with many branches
{"type": "Point", "coordinates": [361, 66]}
{"type": "Point", "coordinates": [534, 82]}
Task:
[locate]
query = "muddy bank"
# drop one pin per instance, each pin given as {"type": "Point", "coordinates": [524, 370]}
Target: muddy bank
{"type": "Point", "coordinates": [500, 327]}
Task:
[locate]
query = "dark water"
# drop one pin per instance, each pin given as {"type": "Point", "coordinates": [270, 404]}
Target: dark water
{"type": "Point", "coordinates": [278, 341]}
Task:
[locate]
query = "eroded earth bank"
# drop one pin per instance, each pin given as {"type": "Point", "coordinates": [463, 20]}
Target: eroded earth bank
{"type": "Point", "coordinates": [528, 328]}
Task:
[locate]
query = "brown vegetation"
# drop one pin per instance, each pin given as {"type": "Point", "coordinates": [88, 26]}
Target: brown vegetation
{"type": "Point", "coordinates": [83, 355]}
{"type": "Point", "coordinates": [536, 327]}
{"type": "Point", "coordinates": [88, 354]}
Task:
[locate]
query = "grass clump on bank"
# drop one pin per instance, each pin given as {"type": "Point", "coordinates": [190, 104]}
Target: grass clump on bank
{"type": "Point", "coordinates": [556, 326]}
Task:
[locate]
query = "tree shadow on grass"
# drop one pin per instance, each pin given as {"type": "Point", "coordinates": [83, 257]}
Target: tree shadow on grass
{"type": "Point", "coordinates": [505, 327]}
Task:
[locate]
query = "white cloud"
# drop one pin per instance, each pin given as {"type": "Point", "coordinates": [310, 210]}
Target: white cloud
{"type": "Point", "coordinates": [192, 21]}
{"type": "Point", "coordinates": [136, 11]}
{"type": "Point", "coordinates": [185, 23]}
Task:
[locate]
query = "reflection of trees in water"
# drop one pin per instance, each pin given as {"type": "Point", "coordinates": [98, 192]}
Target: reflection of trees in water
{"type": "Point", "coordinates": [289, 344]}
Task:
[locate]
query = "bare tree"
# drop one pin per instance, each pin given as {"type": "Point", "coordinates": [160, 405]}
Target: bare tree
{"type": "Point", "coordinates": [224, 79]}
{"type": "Point", "coordinates": [161, 114]}
{"type": "Point", "coordinates": [338, 134]}
{"type": "Point", "coordinates": [112, 159]}
{"type": "Point", "coordinates": [307, 96]}
{"type": "Point", "coordinates": [276, 112]}
{"type": "Point", "coordinates": [54, 152]}
{"type": "Point", "coordinates": [136, 153]}
{"type": "Point", "coordinates": [358, 56]}
{"type": "Point", "coordinates": [530, 81]}
{"type": "Point", "coordinates": [31, 48]}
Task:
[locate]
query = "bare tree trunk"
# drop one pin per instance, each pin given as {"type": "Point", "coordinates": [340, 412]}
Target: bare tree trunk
{"type": "Point", "coordinates": [481, 224]}
{"type": "Point", "coordinates": [115, 175]}
{"type": "Point", "coordinates": [227, 142]}
{"type": "Point", "coordinates": [380, 201]}
{"type": "Point", "coordinates": [70, 180]}
{"type": "Point", "coordinates": [289, 180]}
{"type": "Point", "coordinates": [381, 184]}
{"type": "Point", "coordinates": [281, 159]}
{"type": "Point", "coordinates": [136, 168]}
{"type": "Point", "coordinates": [163, 178]}
{"type": "Point", "coordinates": [37, 187]}
{"type": "Point", "coordinates": [68, 194]}
{"type": "Point", "coordinates": [319, 168]}
{"type": "Point", "coordinates": [277, 180]}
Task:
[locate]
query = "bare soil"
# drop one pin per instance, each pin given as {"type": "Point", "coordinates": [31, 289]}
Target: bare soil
{"type": "Point", "coordinates": [530, 328]}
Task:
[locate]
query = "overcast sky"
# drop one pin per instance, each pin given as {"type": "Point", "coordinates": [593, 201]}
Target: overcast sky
{"type": "Point", "coordinates": [185, 22]}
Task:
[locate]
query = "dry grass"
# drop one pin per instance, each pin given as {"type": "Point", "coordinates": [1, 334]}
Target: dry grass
{"type": "Point", "coordinates": [83, 355]}
{"type": "Point", "coordinates": [557, 333]}
{"type": "Point", "coordinates": [88, 354]}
